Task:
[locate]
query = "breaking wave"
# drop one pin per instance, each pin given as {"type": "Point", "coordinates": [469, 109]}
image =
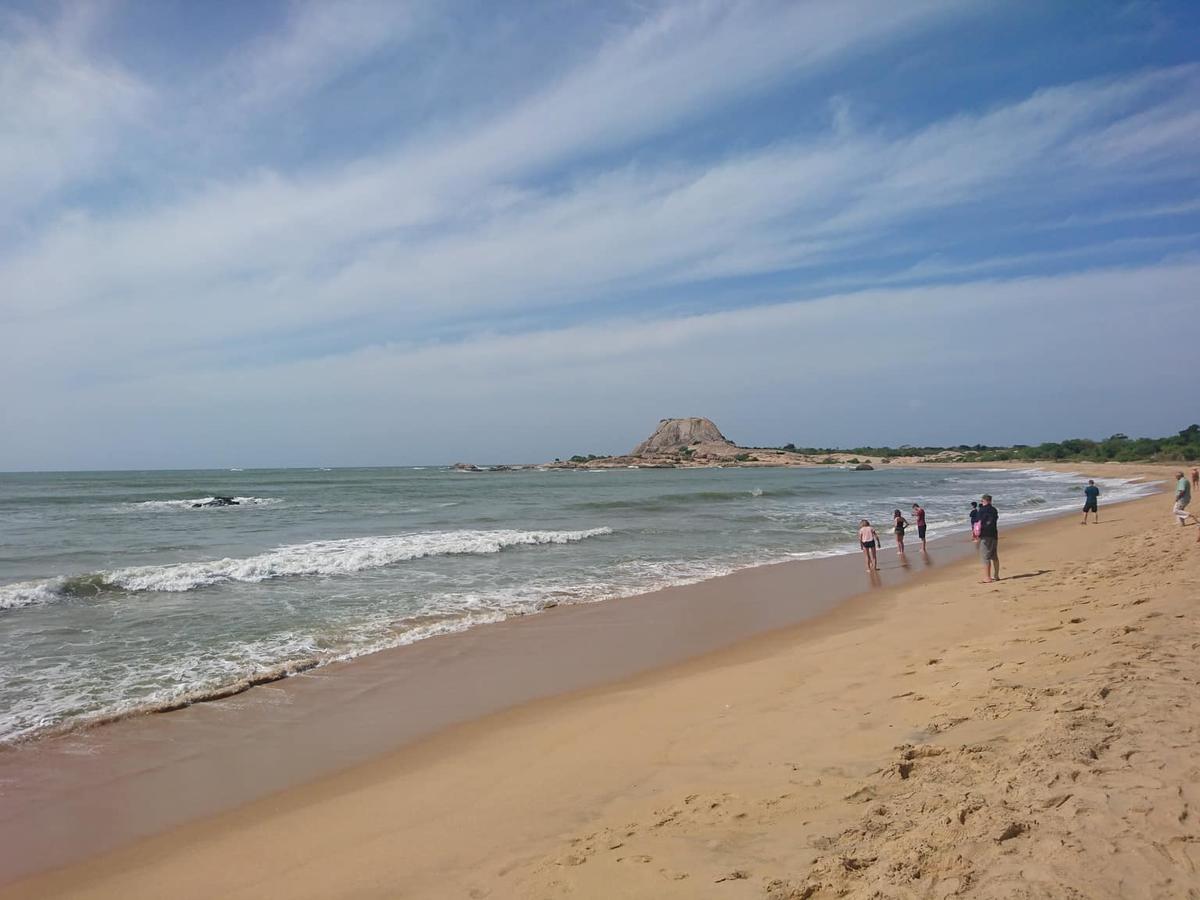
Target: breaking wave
{"type": "Point", "coordinates": [202, 503]}
{"type": "Point", "coordinates": [340, 557]}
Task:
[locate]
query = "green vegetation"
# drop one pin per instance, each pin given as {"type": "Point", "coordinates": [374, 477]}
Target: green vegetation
{"type": "Point", "coordinates": [1180, 447]}
{"type": "Point", "coordinates": [582, 459]}
{"type": "Point", "coordinates": [746, 457]}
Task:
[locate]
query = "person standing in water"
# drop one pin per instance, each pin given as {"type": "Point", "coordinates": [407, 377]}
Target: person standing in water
{"type": "Point", "coordinates": [919, 513]}
{"type": "Point", "coordinates": [974, 522]}
{"type": "Point", "coordinates": [989, 539]}
{"type": "Point", "coordinates": [868, 539]}
{"type": "Point", "coordinates": [899, 524]}
{"type": "Point", "coordinates": [1091, 497]}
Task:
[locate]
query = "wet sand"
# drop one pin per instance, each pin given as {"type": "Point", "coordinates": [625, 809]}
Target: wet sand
{"type": "Point", "coordinates": [932, 737]}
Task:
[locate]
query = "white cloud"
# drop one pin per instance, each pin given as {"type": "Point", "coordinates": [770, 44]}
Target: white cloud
{"type": "Point", "coordinates": [61, 112]}
{"type": "Point", "coordinates": [284, 254]}
{"type": "Point", "coordinates": [210, 247]}
{"type": "Point", "coordinates": [1077, 343]}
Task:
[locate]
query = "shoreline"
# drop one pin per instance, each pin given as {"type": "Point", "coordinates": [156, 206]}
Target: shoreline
{"type": "Point", "coordinates": [429, 686]}
{"type": "Point", "coordinates": [291, 668]}
{"type": "Point", "coordinates": [752, 582]}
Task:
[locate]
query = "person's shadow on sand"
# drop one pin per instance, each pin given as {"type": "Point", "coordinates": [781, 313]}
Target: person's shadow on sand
{"type": "Point", "coordinates": [1036, 574]}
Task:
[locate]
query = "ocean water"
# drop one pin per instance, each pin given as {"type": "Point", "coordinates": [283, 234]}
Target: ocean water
{"type": "Point", "coordinates": [118, 595]}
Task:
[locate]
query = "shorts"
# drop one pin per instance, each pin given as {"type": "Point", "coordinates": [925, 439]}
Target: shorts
{"type": "Point", "coordinates": [988, 549]}
{"type": "Point", "coordinates": [1089, 506]}
{"type": "Point", "coordinates": [921, 532]}
{"type": "Point", "coordinates": [868, 545]}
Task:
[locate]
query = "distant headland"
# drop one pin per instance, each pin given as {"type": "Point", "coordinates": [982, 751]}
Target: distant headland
{"type": "Point", "coordinates": [696, 442]}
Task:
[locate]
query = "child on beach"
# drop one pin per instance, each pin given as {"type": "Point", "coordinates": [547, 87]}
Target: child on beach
{"type": "Point", "coordinates": [974, 521]}
{"type": "Point", "coordinates": [868, 539]}
{"type": "Point", "coordinates": [899, 524]}
{"type": "Point", "coordinates": [919, 512]}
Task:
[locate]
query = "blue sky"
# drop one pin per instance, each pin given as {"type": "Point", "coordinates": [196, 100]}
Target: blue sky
{"type": "Point", "coordinates": [373, 233]}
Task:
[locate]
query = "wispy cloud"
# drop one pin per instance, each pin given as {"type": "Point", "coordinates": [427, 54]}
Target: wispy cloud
{"type": "Point", "coordinates": [61, 111]}
{"type": "Point", "coordinates": [320, 42]}
{"type": "Point", "coordinates": [838, 366]}
{"type": "Point", "coordinates": [355, 243]}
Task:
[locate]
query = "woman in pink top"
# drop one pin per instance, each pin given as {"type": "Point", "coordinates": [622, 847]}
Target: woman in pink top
{"type": "Point", "coordinates": [868, 539]}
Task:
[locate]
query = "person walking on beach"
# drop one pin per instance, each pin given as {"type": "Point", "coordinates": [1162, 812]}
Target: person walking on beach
{"type": "Point", "coordinates": [868, 539]}
{"type": "Point", "coordinates": [919, 514]}
{"type": "Point", "coordinates": [974, 522]}
{"type": "Point", "coordinates": [1195, 478]}
{"type": "Point", "coordinates": [1183, 496]}
{"type": "Point", "coordinates": [899, 524]}
{"type": "Point", "coordinates": [989, 538]}
{"type": "Point", "coordinates": [1091, 497]}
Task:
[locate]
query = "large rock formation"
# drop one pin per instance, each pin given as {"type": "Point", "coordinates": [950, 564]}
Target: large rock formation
{"type": "Point", "coordinates": [673, 436]}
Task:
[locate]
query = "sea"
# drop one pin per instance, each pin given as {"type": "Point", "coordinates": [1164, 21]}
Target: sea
{"type": "Point", "coordinates": [128, 592]}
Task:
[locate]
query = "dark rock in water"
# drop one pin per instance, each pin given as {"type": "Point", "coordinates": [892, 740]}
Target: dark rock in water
{"type": "Point", "coordinates": [864, 467]}
{"type": "Point", "coordinates": [466, 467]}
{"type": "Point", "coordinates": [217, 501]}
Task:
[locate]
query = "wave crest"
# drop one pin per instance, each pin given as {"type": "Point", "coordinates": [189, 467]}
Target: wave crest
{"type": "Point", "coordinates": [338, 557]}
{"type": "Point", "coordinates": [201, 502]}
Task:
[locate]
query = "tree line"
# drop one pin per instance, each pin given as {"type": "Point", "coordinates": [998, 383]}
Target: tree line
{"type": "Point", "coordinates": [1179, 447]}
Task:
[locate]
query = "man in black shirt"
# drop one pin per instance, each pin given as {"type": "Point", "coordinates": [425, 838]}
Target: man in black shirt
{"type": "Point", "coordinates": [989, 536]}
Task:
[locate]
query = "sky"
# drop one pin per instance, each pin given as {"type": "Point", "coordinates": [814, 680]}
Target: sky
{"type": "Point", "coordinates": [379, 232]}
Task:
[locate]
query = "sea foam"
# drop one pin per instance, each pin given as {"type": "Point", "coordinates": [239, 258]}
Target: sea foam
{"type": "Point", "coordinates": [339, 557]}
{"type": "Point", "coordinates": [202, 502]}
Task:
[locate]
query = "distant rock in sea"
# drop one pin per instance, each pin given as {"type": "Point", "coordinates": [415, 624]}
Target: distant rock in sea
{"type": "Point", "coordinates": [864, 467]}
{"type": "Point", "coordinates": [215, 501]}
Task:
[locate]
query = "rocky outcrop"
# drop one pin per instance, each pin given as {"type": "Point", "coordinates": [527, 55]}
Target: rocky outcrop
{"type": "Point", "coordinates": [215, 501]}
{"type": "Point", "coordinates": [696, 443]}
{"type": "Point", "coordinates": [682, 435]}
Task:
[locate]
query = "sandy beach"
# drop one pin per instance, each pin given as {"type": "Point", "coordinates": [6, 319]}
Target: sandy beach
{"type": "Point", "coordinates": [940, 737]}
